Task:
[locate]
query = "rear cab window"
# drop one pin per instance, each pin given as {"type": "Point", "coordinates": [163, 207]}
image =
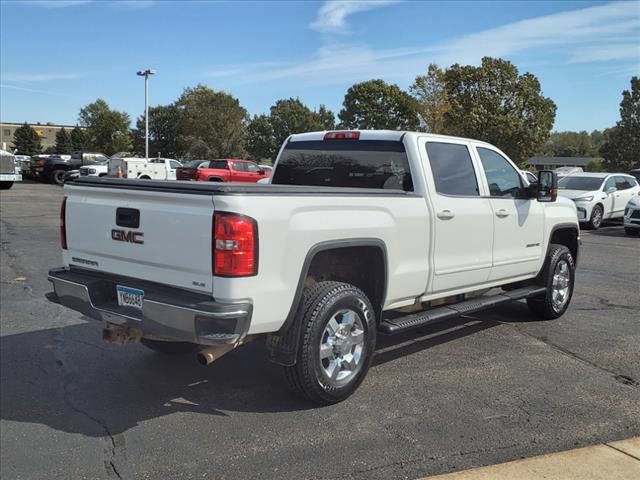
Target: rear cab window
{"type": "Point", "coordinates": [381, 164]}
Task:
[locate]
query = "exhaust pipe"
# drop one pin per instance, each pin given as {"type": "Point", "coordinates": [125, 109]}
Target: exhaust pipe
{"type": "Point", "coordinates": [209, 355]}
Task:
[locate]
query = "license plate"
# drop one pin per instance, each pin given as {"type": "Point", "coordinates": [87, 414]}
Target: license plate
{"type": "Point", "coordinates": [130, 297]}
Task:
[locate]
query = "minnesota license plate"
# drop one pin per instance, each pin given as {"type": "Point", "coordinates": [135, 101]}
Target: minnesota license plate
{"type": "Point", "coordinates": [130, 297]}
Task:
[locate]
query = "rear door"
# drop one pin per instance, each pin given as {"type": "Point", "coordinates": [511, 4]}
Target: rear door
{"type": "Point", "coordinates": [518, 221]}
{"type": "Point", "coordinates": [156, 236]}
{"type": "Point", "coordinates": [463, 225]}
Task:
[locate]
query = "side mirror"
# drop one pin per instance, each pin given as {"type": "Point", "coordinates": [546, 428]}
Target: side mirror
{"type": "Point", "coordinates": [611, 190]}
{"type": "Point", "coordinates": [547, 187]}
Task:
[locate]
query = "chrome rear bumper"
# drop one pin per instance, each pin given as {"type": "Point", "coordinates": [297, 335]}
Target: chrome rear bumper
{"type": "Point", "coordinates": [167, 313]}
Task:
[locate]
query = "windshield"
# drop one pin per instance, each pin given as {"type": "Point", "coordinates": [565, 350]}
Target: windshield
{"type": "Point", "coordinates": [345, 163]}
{"type": "Point", "coordinates": [580, 183]}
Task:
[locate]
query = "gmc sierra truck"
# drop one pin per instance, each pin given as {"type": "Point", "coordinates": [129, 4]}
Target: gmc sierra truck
{"type": "Point", "coordinates": [358, 233]}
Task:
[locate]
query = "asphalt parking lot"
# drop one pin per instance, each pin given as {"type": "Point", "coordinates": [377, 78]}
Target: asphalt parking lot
{"type": "Point", "coordinates": [488, 388]}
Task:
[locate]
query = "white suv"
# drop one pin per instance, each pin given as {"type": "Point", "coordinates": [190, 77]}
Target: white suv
{"type": "Point", "coordinates": [599, 196]}
{"type": "Point", "coordinates": [632, 216]}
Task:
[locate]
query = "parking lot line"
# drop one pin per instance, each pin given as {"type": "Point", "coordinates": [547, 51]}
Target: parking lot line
{"type": "Point", "coordinates": [613, 461]}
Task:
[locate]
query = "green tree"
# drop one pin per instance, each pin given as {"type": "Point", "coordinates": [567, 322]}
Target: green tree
{"type": "Point", "coordinates": [431, 99]}
{"type": "Point", "coordinates": [375, 104]}
{"type": "Point", "coordinates": [78, 139]}
{"type": "Point", "coordinates": [215, 122]}
{"type": "Point", "coordinates": [51, 150]}
{"type": "Point", "coordinates": [327, 118]}
{"type": "Point", "coordinates": [63, 142]}
{"type": "Point", "coordinates": [595, 165]}
{"type": "Point", "coordinates": [621, 149]}
{"type": "Point", "coordinates": [106, 130]}
{"type": "Point", "coordinates": [494, 103]}
{"type": "Point", "coordinates": [261, 143]}
{"type": "Point", "coordinates": [26, 140]}
{"type": "Point", "coordinates": [289, 116]}
{"type": "Point", "coordinates": [163, 132]}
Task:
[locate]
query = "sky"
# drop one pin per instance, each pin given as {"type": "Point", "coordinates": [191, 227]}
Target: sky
{"type": "Point", "coordinates": [57, 56]}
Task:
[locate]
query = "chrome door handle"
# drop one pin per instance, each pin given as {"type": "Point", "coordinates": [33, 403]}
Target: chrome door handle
{"type": "Point", "coordinates": [502, 213]}
{"type": "Point", "coordinates": [446, 215]}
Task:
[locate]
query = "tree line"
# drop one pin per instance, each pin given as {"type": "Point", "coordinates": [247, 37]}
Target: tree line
{"type": "Point", "coordinates": [492, 102]}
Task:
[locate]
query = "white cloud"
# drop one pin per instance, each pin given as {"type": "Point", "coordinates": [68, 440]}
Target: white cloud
{"type": "Point", "coordinates": [37, 77]}
{"type": "Point", "coordinates": [594, 34]}
{"type": "Point", "coordinates": [332, 16]}
{"type": "Point", "coordinates": [56, 3]}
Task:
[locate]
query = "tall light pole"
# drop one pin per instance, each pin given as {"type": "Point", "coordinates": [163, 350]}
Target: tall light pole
{"type": "Point", "coordinates": [146, 73]}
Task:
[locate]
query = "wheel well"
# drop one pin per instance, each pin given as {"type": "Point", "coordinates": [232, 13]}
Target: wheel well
{"type": "Point", "coordinates": [361, 266]}
{"type": "Point", "coordinates": [215, 179]}
{"type": "Point", "coordinates": [567, 237]}
{"type": "Point", "coordinates": [144, 177]}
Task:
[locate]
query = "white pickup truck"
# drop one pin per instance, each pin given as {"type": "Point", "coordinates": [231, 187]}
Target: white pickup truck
{"type": "Point", "coordinates": [143, 169]}
{"type": "Point", "coordinates": [359, 233]}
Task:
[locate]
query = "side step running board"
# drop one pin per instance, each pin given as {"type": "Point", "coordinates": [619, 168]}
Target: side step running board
{"type": "Point", "coordinates": [435, 315]}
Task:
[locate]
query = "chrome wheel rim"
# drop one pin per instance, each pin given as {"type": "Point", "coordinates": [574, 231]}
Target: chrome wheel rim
{"type": "Point", "coordinates": [341, 347]}
{"type": "Point", "coordinates": [597, 217]}
{"type": "Point", "coordinates": [560, 285]}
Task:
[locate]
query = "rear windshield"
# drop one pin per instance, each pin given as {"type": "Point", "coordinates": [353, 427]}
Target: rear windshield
{"type": "Point", "coordinates": [580, 183]}
{"type": "Point", "coordinates": [345, 163]}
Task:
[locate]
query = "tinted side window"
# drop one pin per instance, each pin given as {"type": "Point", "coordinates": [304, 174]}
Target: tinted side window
{"type": "Point", "coordinates": [611, 182]}
{"type": "Point", "coordinates": [452, 169]}
{"type": "Point", "coordinates": [622, 183]}
{"type": "Point", "coordinates": [503, 179]}
{"type": "Point", "coordinates": [239, 166]}
{"type": "Point", "coordinates": [219, 164]}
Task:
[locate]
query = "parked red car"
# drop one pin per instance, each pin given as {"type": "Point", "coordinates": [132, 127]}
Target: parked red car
{"type": "Point", "coordinates": [188, 171]}
{"type": "Point", "coordinates": [231, 170]}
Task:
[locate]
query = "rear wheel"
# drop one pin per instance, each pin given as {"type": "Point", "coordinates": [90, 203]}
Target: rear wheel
{"type": "Point", "coordinates": [596, 218]}
{"type": "Point", "coordinates": [170, 348]}
{"type": "Point", "coordinates": [57, 177]}
{"type": "Point", "coordinates": [558, 276]}
{"type": "Point", "coordinates": [6, 185]}
{"type": "Point", "coordinates": [337, 342]}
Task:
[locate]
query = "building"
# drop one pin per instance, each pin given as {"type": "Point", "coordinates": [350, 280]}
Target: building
{"type": "Point", "coordinates": [551, 163]}
{"type": "Point", "coordinates": [46, 132]}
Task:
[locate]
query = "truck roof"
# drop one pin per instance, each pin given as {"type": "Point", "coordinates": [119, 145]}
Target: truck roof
{"type": "Point", "coordinates": [392, 135]}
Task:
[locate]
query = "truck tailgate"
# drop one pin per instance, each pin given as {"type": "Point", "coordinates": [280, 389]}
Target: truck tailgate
{"type": "Point", "coordinates": [158, 236]}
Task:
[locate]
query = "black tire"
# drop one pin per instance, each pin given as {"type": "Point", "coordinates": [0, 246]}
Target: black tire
{"type": "Point", "coordinates": [597, 215]}
{"type": "Point", "coordinates": [144, 177]}
{"type": "Point", "coordinates": [170, 348]}
{"type": "Point", "coordinates": [632, 232]}
{"type": "Point", "coordinates": [6, 185]}
{"type": "Point", "coordinates": [324, 302]}
{"type": "Point", "coordinates": [215, 179]}
{"type": "Point", "coordinates": [57, 176]}
{"type": "Point", "coordinates": [545, 307]}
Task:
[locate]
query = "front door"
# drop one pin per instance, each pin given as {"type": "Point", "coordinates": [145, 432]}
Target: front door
{"type": "Point", "coordinates": [463, 222]}
{"type": "Point", "coordinates": [609, 191]}
{"type": "Point", "coordinates": [518, 221]}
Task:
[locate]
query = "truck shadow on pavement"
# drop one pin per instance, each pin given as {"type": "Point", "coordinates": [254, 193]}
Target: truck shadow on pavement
{"type": "Point", "coordinates": [69, 380]}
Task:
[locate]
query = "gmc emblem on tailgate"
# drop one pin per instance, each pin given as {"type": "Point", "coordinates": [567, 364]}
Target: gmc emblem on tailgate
{"type": "Point", "coordinates": [127, 236]}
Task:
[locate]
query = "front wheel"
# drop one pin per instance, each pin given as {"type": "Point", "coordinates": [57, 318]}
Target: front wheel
{"type": "Point", "coordinates": [558, 276]}
{"type": "Point", "coordinates": [6, 185]}
{"type": "Point", "coordinates": [337, 343]}
{"type": "Point", "coordinates": [632, 232]}
{"type": "Point", "coordinates": [596, 218]}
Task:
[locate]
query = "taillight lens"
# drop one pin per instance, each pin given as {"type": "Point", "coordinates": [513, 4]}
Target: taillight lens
{"type": "Point", "coordinates": [342, 135]}
{"type": "Point", "coordinates": [63, 227]}
{"type": "Point", "coordinates": [235, 245]}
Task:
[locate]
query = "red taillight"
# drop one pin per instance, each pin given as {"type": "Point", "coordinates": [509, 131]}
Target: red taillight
{"type": "Point", "coordinates": [63, 227]}
{"type": "Point", "coordinates": [42, 162]}
{"type": "Point", "coordinates": [342, 135]}
{"type": "Point", "coordinates": [235, 245]}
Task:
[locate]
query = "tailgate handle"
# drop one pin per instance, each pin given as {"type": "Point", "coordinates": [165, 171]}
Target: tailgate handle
{"type": "Point", "coordinates": [128, 217]}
